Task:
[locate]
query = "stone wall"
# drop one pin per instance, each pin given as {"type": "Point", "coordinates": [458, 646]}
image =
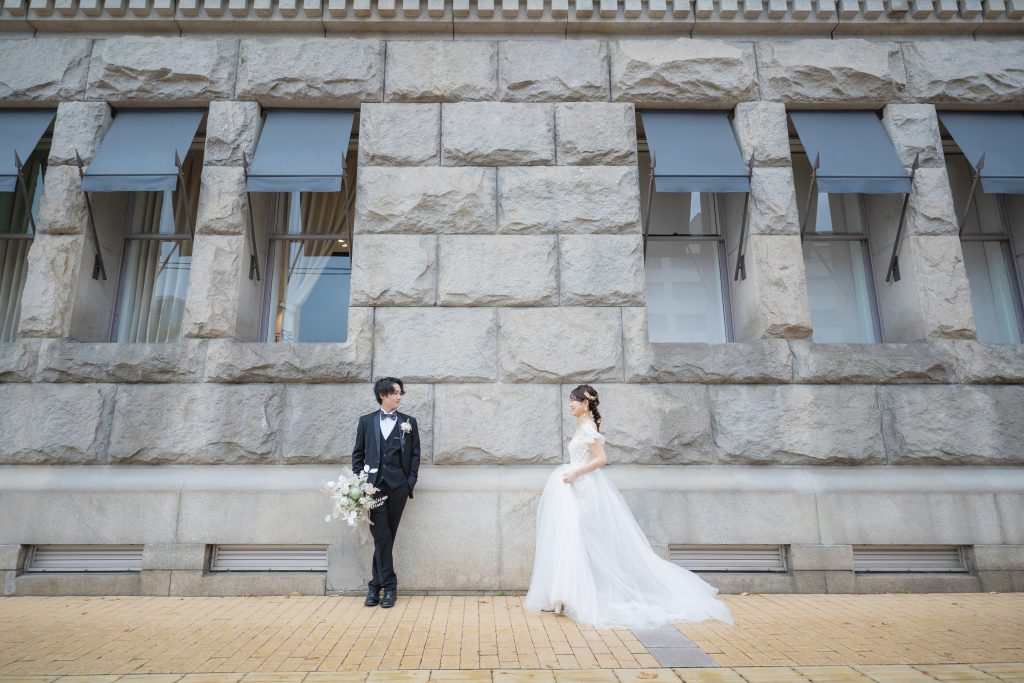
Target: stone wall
{"type": "Point", "coordinates": [496, 266]}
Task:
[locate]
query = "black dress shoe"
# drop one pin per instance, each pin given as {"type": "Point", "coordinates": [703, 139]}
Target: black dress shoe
{"type": "Point", "coordinates": [390, 595]}
{"type": "Point", "coordinates": [372, 598]}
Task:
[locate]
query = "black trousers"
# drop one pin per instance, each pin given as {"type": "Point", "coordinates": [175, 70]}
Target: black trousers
{"type": "Point", "coordinates": [384, 529]}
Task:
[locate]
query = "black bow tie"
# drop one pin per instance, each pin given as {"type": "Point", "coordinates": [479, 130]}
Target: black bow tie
{"type": "Point", "coordinates": [388, 416]}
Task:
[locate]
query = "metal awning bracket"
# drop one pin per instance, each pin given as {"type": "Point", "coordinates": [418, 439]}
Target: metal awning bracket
{"type": "Point", "coordinates": [970, 197]}
{"type": "Point", "coordinates": [893, 274]}
{"type": "Point", "coordinates": [98, 270]}
{"type": "Point", "coordinates": [810, 192]}
{"type": "Point", "coordinates": [23, 191]}
{"type": "Point", "coordinates": [741, 252]}
{"type": "Point", "coordinates": [254, 265]}
{"type": "Point", "coordinates": [184, 189]}
{"type": "Point", "coordinates": [650, 206]}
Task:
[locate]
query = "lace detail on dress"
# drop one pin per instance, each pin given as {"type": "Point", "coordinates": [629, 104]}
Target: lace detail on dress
{"type": "Point", "coordinates": [579, 445]}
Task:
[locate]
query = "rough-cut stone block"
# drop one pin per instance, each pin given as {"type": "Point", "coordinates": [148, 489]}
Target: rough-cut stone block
{"type": "Point", "coordinates": [797, 425]}
{"type": "Point", "coordinates": [850, 71]}
{"type": "Point", "coordinates": [595, 134]}
{"type": "Point", "coordinates": [436, 344]}
{"type": "Point", "coordinates": [51, 424]}
{"type": "Point", "coordinates": [920, 363]}
{"type": "Point", "coordinates": [773, 207]}
{"type": "Point", "coordinates": [426, 200]}
{"type": "Point", "coordinates": [162, 69]}
{"type": "Point", "coordinates": [497, 134]}
{"type": "Point", "coordinates": [196, 424]}
{"type": "Point", "coordinates": [766, 361]}
{"type": "Point", "coordinates": [441, 71]}
{"type": "Point", "coordinates": [232, 129]}
{"type": "Point", "coordinates": [44, 70]}
{"type": "Point", "coordinates": [762, 131]}
{"type": "Point", "coordinates": [601, 270]}
{"type": "Point", "coordinates": [914, 131]}
{"type": "Point", "coordinates": [772, 300]}
{"type": "Point", "coordinates": [223, 209]}
{"type": "Point", "coordinates": [320, 420]}
{"type": "Point", "coordinates": [18, 360]}
{"type": "Point", "coordinates": [79, 127]}
{"type": "Point", "coordinates": [64, 361]}
{"type": "Point", "coordinates": [395, 270]}
{"type": "Point", "coordinates": [954, 425]}
{"type": "Point", "coordinates": [942, 286]}
{"type": "Point", "coordinates": [498, 270]}
{"type": "Point", "coordinates": [552, 70]}
{"type": "Point", "coordinates": [650, 425]}
{"type": "Point", "coordinates": [979, 363]}
{"type": "Point", "coordinates": [62, 208]}
{"type": "Point", "coordinates": [560, 344]}
{"type": "Point", "coordinates": [496, 424]}
{"type": "Point", "coordinates": [49, 292]}
{"type": "Point", "coordinates": [683, 72]}
{"type": "Point", "coordinates": [211, 305]}
{"type": "Point", "coordinates": [930, 210]}
{"type": "Point", "coordinates": [965, 71]}
{"type": "Point", "coordinates": [569, 199]}
{"type": "Point", "coordinates": [299, 72]}
{"type": "Point", "coordinates": [398, 134]}
{"type": "Point", "coordinates": [228, 361]}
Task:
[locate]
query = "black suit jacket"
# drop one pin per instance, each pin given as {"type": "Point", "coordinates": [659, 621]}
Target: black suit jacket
{"type": "Point", "coordinates": [367, 448]}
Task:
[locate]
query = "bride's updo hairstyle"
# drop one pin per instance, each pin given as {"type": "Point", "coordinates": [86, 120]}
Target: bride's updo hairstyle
{"type": "Point", "coordinates": [585, 392]}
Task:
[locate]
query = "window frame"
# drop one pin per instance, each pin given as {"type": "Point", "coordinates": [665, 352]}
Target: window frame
{"type": "Point", "coordinates": [719, 239]}
{"type": "Point", "coordinates": [1005, 239]}
{"type": "Point", "coordinates": [40, 155]}
{"type": "Point", "coordinates": [198, 144]}
{"type": "Point", "coordinates": [273, 238]}
{"type": "Point", "coordinates": [864, 237]}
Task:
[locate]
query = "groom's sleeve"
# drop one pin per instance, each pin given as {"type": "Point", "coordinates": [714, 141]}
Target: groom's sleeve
{"type": "Point", "coordinates": [359, 450]}
{"type": "Point", "coordinates": [414, 463]}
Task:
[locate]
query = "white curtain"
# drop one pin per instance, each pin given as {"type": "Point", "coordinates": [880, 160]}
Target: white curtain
{"type": "Point", "coordinates": [155, 278]}
{"type": "Point", "coordinates": [837, 291]}
{"type": "Point", "coordinates": [301, 263]}
{"type": "Point", "coordinates": [14, 252]}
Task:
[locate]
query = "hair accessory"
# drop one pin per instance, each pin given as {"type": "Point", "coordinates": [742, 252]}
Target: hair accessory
{"type": "Point", "coordinates": [590, 397]}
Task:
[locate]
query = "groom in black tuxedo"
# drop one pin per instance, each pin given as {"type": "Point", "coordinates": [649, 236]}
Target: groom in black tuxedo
{"type": "Point", "coordinates": [389, 443]}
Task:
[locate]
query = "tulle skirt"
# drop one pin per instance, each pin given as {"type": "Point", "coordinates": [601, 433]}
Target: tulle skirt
{"type": "Point", "coordinates": [593, 558]}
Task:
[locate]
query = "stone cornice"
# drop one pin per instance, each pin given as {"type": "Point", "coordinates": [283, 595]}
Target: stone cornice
{"type": "Point", "coordinates": [679, 17]}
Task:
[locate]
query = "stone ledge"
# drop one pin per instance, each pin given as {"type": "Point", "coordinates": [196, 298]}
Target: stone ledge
{"type": "Point", "coordinates": [18, 360]}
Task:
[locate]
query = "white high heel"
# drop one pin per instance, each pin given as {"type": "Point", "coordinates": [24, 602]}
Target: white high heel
{"type": "Point", "coordinates": [559, 607]}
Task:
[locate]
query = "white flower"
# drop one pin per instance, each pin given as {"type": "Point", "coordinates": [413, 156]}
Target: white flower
{"type": "Point", "coordinates": [406, 427]}
{"type": "Point", "coordinates": [330, 483]}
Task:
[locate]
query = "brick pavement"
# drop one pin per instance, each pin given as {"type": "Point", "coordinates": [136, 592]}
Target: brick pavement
{"type": "Point", "coordinates": [323, 639]}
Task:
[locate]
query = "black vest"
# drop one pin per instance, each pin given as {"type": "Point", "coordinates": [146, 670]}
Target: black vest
{"type": "Point", "coordinates": [390, 469]}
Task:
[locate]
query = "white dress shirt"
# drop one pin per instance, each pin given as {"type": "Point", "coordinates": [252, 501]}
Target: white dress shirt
{"type": "Point", "coordinates": [387, 425]}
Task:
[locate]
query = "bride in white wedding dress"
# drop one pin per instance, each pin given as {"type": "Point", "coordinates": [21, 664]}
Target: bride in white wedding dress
{"type": "Point", "coordinates": [593, 562]}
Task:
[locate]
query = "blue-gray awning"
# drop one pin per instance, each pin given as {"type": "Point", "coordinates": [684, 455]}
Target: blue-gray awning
{"type": "Point", "coordinates": [20, 131]}
{"type": "Point", "coordinates": [856, 154]}
{"type": "Point", "coordinates": [301, 151]}
{"type": "Point", "coordinates": [137, 153]}
{"type": "Point", "coordinates": [997, 135]}
{"type": "Point", "coordinates": [694, 151]}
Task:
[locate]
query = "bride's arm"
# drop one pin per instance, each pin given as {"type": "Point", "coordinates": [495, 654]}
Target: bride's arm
{"type": "Point", "coordinates": [598, 459]}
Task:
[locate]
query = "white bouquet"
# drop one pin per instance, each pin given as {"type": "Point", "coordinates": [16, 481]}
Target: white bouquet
{"type": "Point", "coordinates": [353, 500]}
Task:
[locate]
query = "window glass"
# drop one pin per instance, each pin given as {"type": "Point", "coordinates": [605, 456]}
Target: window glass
{"type": "Point", "coordinates": [684, 292]}
{"type": "Point", "coordinates": [837, 291]}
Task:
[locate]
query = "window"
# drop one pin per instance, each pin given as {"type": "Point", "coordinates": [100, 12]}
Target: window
{"type": "Point", "coordinates": [840, 285]}
{"type": "Point", "coordinates": [309, 268]}
{"type": "Point", "coordinates": [16, 239]}
{"type": "Point", "coordinates": [156, 260]}
{"type": "Point", "coordinates": [988, 256]}
{"type": "Point", "coordinates": [687, 283]}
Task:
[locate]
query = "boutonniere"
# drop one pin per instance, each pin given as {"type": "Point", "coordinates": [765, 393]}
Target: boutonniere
{"type": "Point", "coordinates": [406, 427]}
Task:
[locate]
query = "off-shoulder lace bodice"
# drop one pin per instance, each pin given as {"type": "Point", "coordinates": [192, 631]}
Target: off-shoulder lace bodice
{"type": "Point", "coordinates": [579, 445]}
